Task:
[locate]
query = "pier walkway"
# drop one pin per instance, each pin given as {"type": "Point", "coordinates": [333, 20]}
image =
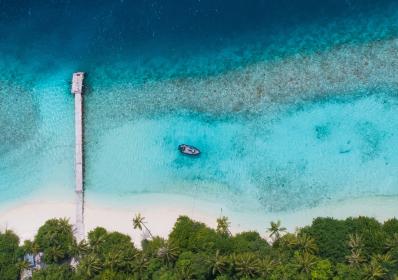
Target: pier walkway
{"type": "Point", "coordinates": [77, 90]}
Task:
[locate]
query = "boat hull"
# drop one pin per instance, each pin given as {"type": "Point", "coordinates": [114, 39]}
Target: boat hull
{"type": "Point", "coordinates": [189, 150]}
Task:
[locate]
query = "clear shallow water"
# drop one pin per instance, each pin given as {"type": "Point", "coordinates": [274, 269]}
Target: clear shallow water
{"type": "Point", "coordinates": [300, 158]}
{"type": "Point", "coordinates": [255, 95]}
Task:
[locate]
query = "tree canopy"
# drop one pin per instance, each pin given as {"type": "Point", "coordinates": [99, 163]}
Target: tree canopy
{"type": "Point", "coordinates": [355, 248]}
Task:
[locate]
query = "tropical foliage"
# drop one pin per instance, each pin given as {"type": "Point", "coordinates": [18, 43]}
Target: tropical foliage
{"type": "Point", "coordinates": [355, 248]}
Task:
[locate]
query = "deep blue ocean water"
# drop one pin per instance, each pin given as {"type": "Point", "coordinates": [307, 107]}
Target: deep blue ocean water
{"type": "Point", "coordinates": [293, 103]}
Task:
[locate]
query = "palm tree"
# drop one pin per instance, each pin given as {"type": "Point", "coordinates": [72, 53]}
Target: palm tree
{"type": "Point", "coordinates": [30, 247]}
{"type": "Point", "coordinates": [96, 242]}
{"type": "Point", "coordinates": [355, 242]}
{"type": "Point", "coordinates": [386, 261]}
{"type": "Point", "coordinates": [63, 228]}
{"type": "Point", "coordinates": [22, 265]}
{"type": "Point", "coordinates": [267, 265]}
{"type": "Point", "coordinates": [288, 241]}
{"type": "Point", "coordinates": [305, 262]}
{"type": "Point", "coordinates": [223, 226]}
{"type": "Point", "coordinates": [79, 250]}
{"type": "Point", "coordinates": [109, 275]}
{"type": "Point", "coordinates": [218, 264]}
{"type": "Point", "coordinates": [185, 273]}
{"type": "Point", "coordinates": [138, 222]}
{"type": "Point", "coordinates": [140, 264]}
{"type": "Point", "coordinates": [27, 247]}
{"type": "Point", "coordinates": [275, 230]}
{"type": "Point", "coordinates": [64, 224]}
{"type": "Point", "coordinates": [168, 253]}
{"type": "Point", "coordinates": [113, 260]}
{"type": "Point", "coordinates": [35, 248]}
{"type": "Point", "coordinates": [306, 244]}
{"type": "Point", "coordinates": [246, 265]}
{"type": "Point", "coordinates": [356, 258]}
{"type": "Point", "coordinates": [374, 271]}
{"type": "Point", "coordinates": [89, 266]}
{"type": "Point", "coordinates": [55, 254]}
{"type": "Point", "coordinates": [392, 243]}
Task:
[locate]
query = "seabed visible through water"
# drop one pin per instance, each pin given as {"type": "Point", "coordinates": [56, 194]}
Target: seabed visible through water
{"type": "Point", "coordinates": [286, 120]}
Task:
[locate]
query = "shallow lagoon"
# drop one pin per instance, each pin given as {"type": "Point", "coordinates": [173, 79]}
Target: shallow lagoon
{"type": "Point", "coordinates": [260, 105]}
{"type": "Point", "coordinates": [328, 150]}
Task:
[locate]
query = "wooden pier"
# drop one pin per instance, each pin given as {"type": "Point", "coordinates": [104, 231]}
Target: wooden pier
{"type": "Point", "coordinates": [77, 90]}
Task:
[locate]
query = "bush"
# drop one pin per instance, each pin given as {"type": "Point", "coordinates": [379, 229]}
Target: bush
{"type": "Point", "coordinates": [196, 264]}
{"type": "Point", "coordinates": [331, 237]}
{"type": "Point", "coordinates": [53, 272]}
{"type": "Point", "coordinates": [390, 227]}
{"type": "Point", "coordinates": [165, 275]}
{"type": "Point", "coordinates": [344, 272]}
{"type": "Point", "coordinates": [250, 241]}
{"type": "Point", "coordinates": [196, 237]}
{"type": "Point", "coordinates": [371, 232]}
{"type": "Point", "coordinates": [322, 270]}
{"type": "Point", "coordinates": [55, 239]}
{"type": "Point", "coordinates": [194, 251]}
{"type": "Point", "coordinates": [10, 254]}
{"type": "Point", "coordinates": [151, 247]}
{"type": "Point", "coordinates": [112, 275]}
{"type": "Point", "coordinates": [114, 250]}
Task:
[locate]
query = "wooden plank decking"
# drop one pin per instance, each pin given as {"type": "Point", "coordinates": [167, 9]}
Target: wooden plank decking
{"type": "Point", "coordinates": [77, 90]}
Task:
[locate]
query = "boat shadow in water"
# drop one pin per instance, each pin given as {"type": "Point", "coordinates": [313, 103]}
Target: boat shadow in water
{"type": "Point", "coordinates": [189, 158]}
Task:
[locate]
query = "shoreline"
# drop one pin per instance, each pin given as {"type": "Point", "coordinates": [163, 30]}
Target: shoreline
{"type": "Point", "coordinates": [25, 218]}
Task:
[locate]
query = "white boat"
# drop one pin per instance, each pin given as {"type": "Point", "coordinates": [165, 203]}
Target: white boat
{"type": "Point", "coordinates": [188, 150]}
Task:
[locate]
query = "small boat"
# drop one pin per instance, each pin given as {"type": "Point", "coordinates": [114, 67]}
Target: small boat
{"type": "Point", "coordinates": [188, 150]}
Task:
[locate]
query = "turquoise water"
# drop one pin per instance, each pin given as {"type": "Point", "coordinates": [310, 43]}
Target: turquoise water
{"type": "Point", "coordinates": [290, 112]}
{"type": "Point", "coordinates": [330, 150]}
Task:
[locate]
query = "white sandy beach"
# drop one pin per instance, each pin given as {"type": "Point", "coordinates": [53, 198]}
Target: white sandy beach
{"type": "Point", "coordinates": [27, 218]}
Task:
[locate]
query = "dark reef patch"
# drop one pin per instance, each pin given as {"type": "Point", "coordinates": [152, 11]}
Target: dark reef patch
{"type": "Point", "coordinates": [322, 131]}
{"type": "Point", "coordinates": [19, 116]}
{"type": "Point", "coordinates": [372, 139]}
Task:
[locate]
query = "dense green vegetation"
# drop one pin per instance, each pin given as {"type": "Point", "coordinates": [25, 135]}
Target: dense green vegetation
{"type": "Point", "coordinates": [355, 248]}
